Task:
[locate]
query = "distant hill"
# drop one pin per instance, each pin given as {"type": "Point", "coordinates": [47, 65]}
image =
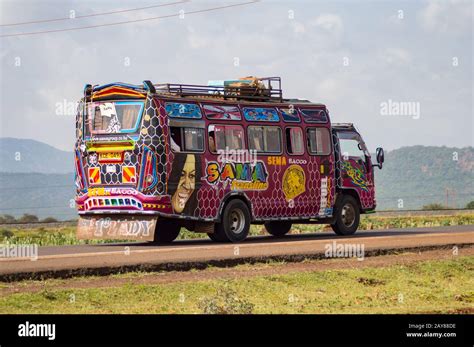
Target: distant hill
{"type": "Point", "coordinates": [44, 195]}
{"type": "Point", "coordinates": [22, 155]}
{"type": "Point", "coordinates": [421, 175]}
{"type": "Point", "coordinates": [44, 183]}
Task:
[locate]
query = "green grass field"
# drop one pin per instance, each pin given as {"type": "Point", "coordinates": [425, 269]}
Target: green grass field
{"type": "Point", "coordinates": [444, 286]}
{"type": "Point", "coordinates": [66, 235]}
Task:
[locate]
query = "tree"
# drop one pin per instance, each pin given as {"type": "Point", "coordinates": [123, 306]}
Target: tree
{"type": "Point", "coordinates": [49, 220]}
{"type": "Point", "coordinates": [433, 206]}
{"type": "Point", "coordinates": [8, 219]}
{"type": "Point", "coordinates": [28, 218]}
{"type": "Point", "coordinates": [470, 205]}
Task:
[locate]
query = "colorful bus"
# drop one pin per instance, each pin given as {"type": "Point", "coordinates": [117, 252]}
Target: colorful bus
{"type": "Point", "coordinates": [154, 158]}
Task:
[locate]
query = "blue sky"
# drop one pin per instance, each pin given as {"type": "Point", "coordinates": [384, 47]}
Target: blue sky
{"type": "Point", "coordinates": [351, 55]}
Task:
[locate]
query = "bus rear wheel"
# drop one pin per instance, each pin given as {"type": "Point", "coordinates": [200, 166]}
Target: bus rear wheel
{"type": "Point", "coordinates": [278, 228]}
{"type": "Point", "coordinates": [235, 224]}
{"type": "Point", "coordinates": [215, 237]}
{"type": "Point", "coordinates": [347, 216]}
{"type": "Point", "coordinates": [166, 231]}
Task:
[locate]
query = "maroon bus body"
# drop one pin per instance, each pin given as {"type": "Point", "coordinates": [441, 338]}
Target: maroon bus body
{"type": "Point", "coordinates": [282, 186]}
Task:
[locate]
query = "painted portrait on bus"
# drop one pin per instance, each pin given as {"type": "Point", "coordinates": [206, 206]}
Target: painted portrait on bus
{"type": "Point", "coordinates": [184, 183]}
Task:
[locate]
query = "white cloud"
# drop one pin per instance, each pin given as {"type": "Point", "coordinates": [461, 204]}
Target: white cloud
{"type": "Point", "coordinates": [453, 16]}
{"type": "Point", "coordinates": [329, 22]}
{"type": "Point", "coordinates": [398, 56]}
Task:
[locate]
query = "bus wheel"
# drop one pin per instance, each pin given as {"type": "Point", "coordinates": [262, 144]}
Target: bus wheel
{"type": "Point", "coordinates": [215, 237]}
{"type": "Point", "coordinates": [278, 228]}
{"type": "Point", "coordinates": [235, 223]}
{"type": "Point", "coordinates": [166, 231]}
{"type": "Point", "coordinates": [347, 216]}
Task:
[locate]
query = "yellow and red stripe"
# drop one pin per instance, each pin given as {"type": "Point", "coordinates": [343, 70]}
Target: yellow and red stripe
{"type": "Point", "coordinates": [94, 175]}
{"type": "Point", "coordinates": [128, 174]}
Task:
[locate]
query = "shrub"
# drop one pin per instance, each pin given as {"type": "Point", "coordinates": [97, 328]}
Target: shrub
{"type": "Point", "coordinates": [28, 218]}
{"type": "Point", "coordinates": [49, 220]}
{"type": "Point", "coordinates": [225, 301]}
{"type": "Point", "coordinates": [434, 206]}
{"type": "Point", "coordinates": [8, 219]}
{"type": "Point", "coordinates": [6, 233]}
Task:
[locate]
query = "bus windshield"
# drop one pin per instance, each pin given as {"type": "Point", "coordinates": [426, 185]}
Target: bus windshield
{"type": "Point", "coordinates": [114, 117]}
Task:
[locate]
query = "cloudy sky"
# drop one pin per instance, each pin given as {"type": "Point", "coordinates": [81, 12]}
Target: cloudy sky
{"type": "Point", "coordinates": [357, 57]}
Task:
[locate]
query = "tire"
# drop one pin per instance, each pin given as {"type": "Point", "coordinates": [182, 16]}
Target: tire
{"type": "Point", "coordinates": [347, 216]}
{"type": "Point", "coordinates": [166, 231]}
{"type": "Point", "coordinates": [214, 237]}
{"type": "Point", "coordinates": [278, 228]}
{"type": "Point", "coordinates": [235, 224]}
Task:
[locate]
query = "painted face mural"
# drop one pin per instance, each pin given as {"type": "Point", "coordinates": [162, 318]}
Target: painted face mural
{"type": "Point", "coordinates": [184, 183]}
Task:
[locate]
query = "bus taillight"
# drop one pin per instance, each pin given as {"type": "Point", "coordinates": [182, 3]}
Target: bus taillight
{"type": "Point", "coordinates": [148, 177]}
{"type": "Point", "coordinates": [79, 172]}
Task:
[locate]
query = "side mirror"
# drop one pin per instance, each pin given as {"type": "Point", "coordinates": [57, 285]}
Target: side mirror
{"type": "Point", "coordinates": [380, 157]}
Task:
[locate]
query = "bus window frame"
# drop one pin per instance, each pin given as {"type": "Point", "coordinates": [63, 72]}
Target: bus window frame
{"type": "Point", "coordinates": [302, 109]}
{"type": "Point", "coordinates": [244, 142]}
{"type": "Point", "coordinates": [132, 131]}
{"type": "Point", "coordinates": [182, 139]}
{"type": "Point", "coordinates": [302, 137]}
{"type": "Point", "coordinates": [265, 126]}
{"type": "Point", "coordinates": [203, 111]}
{"type": "Point", "coordinates": [330, 150]}
{"type": "Point", "coordinates": [299, 121]}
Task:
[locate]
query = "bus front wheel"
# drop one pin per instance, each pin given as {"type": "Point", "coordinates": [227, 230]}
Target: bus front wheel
{"type": "Point", "coordinates": [235, 224]}
{"type": "Point", "coordinates": [347, 216]}
{"type": "Point", "coordinates": [166, 231]}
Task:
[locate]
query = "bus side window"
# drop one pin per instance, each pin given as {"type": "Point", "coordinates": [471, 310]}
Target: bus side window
{"type": "Point", "coordinates": [265, 139]}
{"type": "Point", "coordinates": [187, 139]}
{"type": "Point", "coordinates": [319, 141]}
{"type": "Point", "coordinates": [175, 139]}
{"type": "Point", "coordinates": [294, 140]}
{"type": "Point", "coordinates": [222, 137]}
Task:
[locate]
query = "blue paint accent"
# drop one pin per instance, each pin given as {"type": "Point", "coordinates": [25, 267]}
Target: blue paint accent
{"type": "Point", "coordinates": [288, 117]}
{"type": "Point", "coordinates": [181, 110]}
{"type": "Point", "coordinates": [142, 169]}
{"type": "Point", "coordinates": [139, 117]}
{"type": "Point", "coordinates": [261, 114]}
{"type": "Point", "coordinates": [83, 178]}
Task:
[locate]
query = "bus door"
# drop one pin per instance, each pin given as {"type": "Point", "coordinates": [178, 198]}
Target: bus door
{"type": "Point", "coordinates": [356, 167]}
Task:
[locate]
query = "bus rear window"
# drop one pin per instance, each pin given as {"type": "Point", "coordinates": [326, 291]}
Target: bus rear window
{"type": "Point", "coordinates": [114, 117]}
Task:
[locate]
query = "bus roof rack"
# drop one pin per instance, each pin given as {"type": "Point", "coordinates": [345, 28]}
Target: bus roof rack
{"type": "Point", "coordinates": [247, 88]}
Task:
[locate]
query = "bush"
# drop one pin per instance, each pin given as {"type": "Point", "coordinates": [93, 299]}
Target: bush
{"type": "Point", "coordinates": [470, 205]}
{"type": "Point", "coordinates": [8, 219]}
{"type": "Point", "coordinates": [28, 218]}
{"type": "Point", "coordinates": [49, 220]}
{"type": "Point", "coordinates": [225, 301]}
{"type": "Point", "coordinates": [6, 233]}
{"type": "Point", "coordinates": [434, 206]}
